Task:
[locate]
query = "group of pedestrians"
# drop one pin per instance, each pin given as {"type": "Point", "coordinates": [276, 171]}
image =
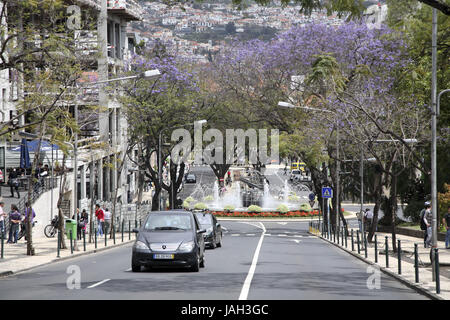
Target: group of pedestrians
{"type": "Point", "coordinates": [426, 220]}
{"type": "Point", "coordinates": [16, 220]}
{"type": "Point", "coordinates": [103, 216]}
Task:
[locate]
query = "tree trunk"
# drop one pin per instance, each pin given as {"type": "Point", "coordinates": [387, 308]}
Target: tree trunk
{"type": "Point", "coordinates": [113, 215]}
{"type": "Point", "coordinates": [60, 199]}
{"type": "Point", "coordinates": [393, 209]}
{"type": "Point", "coordinates": [377, 197]}
{"type": "Point", "coordinates": [155, 204]}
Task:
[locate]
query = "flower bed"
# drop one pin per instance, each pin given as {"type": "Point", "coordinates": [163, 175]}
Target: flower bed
{"type": "Point", "coordinates": [243, 214]}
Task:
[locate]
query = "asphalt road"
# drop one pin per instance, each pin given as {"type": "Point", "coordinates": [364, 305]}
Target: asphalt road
{"type": "Point", "coordinates": [269, 260]}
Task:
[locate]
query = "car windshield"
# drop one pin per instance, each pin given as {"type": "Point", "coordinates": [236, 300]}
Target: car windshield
{"type": "Point", "coordinates": [204, 219]}
{"type": "Point", "coordinates": [191, 176]}
{"type": "Point", "coordinates": [168, 222]}
{"type": "Point", "coordinates": [295, 172]}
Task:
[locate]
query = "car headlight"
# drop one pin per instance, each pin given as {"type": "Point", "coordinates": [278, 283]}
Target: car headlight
{"type": "Point", "coordinates": [141, 245]}
{"type": "Point", "coordinates": [186, 246]}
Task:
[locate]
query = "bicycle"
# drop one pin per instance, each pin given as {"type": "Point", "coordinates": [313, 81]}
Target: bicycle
{"type": "Point", "coordinates": [52, 229]}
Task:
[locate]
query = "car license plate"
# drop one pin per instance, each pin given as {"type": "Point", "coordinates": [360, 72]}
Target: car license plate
{"type": "Point", "coordinates": [163, 256]}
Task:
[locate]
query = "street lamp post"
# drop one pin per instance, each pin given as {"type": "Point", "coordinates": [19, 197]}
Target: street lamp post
{"type": "Point", "coordinates": [160, 159]}
{"type": "Point", "coordinates": [289, 105]}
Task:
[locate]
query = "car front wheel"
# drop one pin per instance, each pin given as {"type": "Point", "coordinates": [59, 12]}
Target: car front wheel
{"type": "Point", "coordinates": [196, 266]}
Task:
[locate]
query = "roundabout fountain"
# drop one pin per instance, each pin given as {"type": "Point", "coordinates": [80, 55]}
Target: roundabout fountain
{"type": "Point", "coordinates": [249, 196]}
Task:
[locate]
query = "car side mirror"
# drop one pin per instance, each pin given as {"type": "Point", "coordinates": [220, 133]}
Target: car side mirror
{"type": "Point", "coordinates": [201, 231]}
{"type": "Point", "coordinates": [218, 225]}
{"type": "Point", "coordinates": [135, 230]}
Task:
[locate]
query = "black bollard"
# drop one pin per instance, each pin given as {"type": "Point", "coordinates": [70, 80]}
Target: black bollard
{"type": "Point", "coordinates": [59, 244]}
{"type": "Point", "coordinates": [123, 221]}
{"type": "Point", "coordinates": [84, 240]}
{"type": "Point", "coordinates": [436, 261]}
{"type": "Point", "coordinates": [416, 262]}
{"type": "Point", "coordinates": [357, 241]}
{"type": "Point", "coordinates": [114, 233]}
{"type": "Point", "coordinates": [129, 230]}
{"type": "Point", "coordinates": [386, 246]}
{"type": "Point", "coordinates": [376, 249]}
{"type": "Point", "coordinates": [71, 242]}
{"type": "Point", "coordinates": [353, 242]}
{"type": "Point", "coordinates": [106, 237]}
{"type": "Point", "coordinates": [399, 256]}
{"type": "Point", "coordinates": [342, 236]}
{"type": "Point", "coordinates": [365, 245]}
{"type": "Point", "coordinates": [346, 236]}
{"type": "Point", "coordinates": [95, 238]}
{"type": "Point", "coordinates": [2, 234]}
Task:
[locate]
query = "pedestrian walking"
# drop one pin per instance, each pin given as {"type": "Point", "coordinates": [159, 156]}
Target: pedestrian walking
{"type": "Point", "coordinates": [13, 181]}
{"type": "Point", "coordinates": [14, 222]}
{"type": "Point", "coordinates": [368, 217]}
{"type": "Point", "coordinates": [3, 215]}
{"type": "Point", "coordinates": [446, 221]}
{"type": "Point", "coordinates": [428, 218]}
{"type": "Point", "coordinates": [359, 216]}
{"type": "Point", "coordinates": [25, 220]}
{"type": "Point", "coordinates": [84, 220]}
{"type": "Point", "coordinates": [107, 220]}
{"type": "Point", "coordinates": [100, 215]}
{"type": "Point", "coordinates": [423, 224]}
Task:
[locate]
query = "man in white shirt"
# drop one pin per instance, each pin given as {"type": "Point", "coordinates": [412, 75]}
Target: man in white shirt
{"type": "Point", "coordinates": [107, 220]}
{"type": "Point", "coordinates": [3, 215]}
{"type": "Point", "coordinates": [369, 216]}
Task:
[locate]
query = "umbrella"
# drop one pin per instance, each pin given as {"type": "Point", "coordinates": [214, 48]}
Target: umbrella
{"type": "Point", "coordinates": [24, 155]}
{"type": "Point", "coordinates": [33, 145]}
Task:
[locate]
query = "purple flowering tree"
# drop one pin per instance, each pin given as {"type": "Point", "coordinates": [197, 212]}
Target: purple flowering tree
{"type": "Point", "coordinates": [351, 71]}
{"type": "Point", "coordinates": [154, 105]}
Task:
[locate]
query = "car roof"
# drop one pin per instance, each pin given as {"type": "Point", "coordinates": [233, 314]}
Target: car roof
{"type": "Point", "coordinates": [176, 211]}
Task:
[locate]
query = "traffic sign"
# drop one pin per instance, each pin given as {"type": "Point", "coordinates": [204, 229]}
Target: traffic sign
{"type": "Point", "coordinates": [327, 193]}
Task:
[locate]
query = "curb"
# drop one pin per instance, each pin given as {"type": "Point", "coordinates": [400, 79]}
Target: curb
{"type": "Point", "coordinates": [409, 284]}
{"type": "Point", "coordinates": [75, 255]}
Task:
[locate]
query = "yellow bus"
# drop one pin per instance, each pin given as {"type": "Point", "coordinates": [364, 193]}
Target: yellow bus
{"type": "Point", "coordinates": [298, 165]}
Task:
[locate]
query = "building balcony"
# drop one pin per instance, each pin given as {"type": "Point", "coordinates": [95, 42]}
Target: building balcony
{"type": "Point", "coordinates": [128, 9]}
{"type": "Point", "coordinates": [96, 4]}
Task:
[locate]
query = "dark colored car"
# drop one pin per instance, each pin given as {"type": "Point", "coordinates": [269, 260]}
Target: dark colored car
{"type": "Point", "coordinates": [213, 234]}
{"type": "Point", "coordinates": [169, 239]}
{"type": "Point", "coordinates": [190, 178]}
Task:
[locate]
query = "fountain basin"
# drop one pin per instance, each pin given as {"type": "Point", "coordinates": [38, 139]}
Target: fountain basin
{"type": "Point", "coordinates": [265, 214]}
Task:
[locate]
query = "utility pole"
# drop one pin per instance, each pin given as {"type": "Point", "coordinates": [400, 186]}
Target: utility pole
{"type": "Point", "coordinates": [433, 138]}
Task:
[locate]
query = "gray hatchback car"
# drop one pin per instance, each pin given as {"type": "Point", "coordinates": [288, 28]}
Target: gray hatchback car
{"type": "Point", "coordinates": [169, 239]}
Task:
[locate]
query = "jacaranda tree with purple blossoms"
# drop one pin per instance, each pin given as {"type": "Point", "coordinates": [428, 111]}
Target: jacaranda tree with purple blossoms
{"type": "Point", "coordinates": [154, 105]}
{"type": "Point", "coordinates": [349, 70]}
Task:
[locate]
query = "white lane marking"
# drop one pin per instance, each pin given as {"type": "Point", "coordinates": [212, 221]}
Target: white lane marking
{"type": "Point", "coordinates": [282, 223]}
{"type": "Point", "coordinates": [235, 235]}
{"type": "Point", "coordinates": [251, 271]}
{"type": "Point", "coordinates": [251, 234]}
{"type": "Point", "coordinates": [98, 283]}
{"type": "Point", "coordinates": [225, 229]}
{"type": "Point", "coordinates": [128, 270]}
{"type": "Point", "coordinates": [282, 235]}
{"type": "Point", "coordinates": [296, 241]}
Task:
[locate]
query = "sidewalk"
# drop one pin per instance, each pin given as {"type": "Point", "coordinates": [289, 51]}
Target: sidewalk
{"type": "Point", "coordinates": [407, 276]}
{"type": "Point", "coordinates": [15, 259]}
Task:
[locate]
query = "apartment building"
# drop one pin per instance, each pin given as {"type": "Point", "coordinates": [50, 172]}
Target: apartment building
{"type": "Point", "coordinates": [103, 135]}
